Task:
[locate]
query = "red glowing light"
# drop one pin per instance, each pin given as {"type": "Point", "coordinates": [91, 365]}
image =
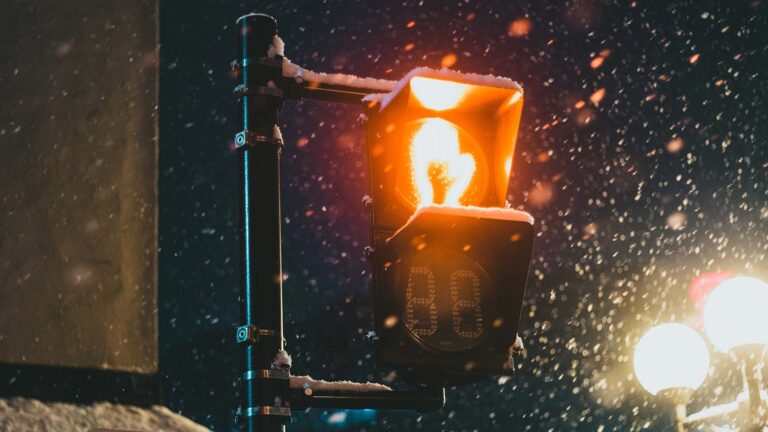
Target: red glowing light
{"type": "Point", "coordinates": [704, 284]}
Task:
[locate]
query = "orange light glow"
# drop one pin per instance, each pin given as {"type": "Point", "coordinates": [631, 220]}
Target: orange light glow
{"type": "Point", "coordinates": [597, 96]}
{"type": "Point", "coordinates": [445, 141]}
{"type": "Point", "coordinates": [438, 166]}
{"type": "Point", "coordinates": [519, 27]}
{"type": "Point", "coordinates": [438, 95]}
{"type": "Point", "coordinates": [694, 58]}
{"type": "Point", "coordinates": [514, 99]}
{"type": "Point", "coordinates": [448, 60]}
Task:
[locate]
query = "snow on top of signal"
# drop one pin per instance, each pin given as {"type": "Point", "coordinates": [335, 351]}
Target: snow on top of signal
{"type": "Point", "coordinates": [498, 213]}
{"type": "Point", "coordinates": [445, 74]}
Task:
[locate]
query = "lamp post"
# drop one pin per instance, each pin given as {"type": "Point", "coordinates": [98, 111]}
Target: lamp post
{"type": "Point", "coordinates": [735, 320]}
{"type": "Point", "coordinates": [671, 360]}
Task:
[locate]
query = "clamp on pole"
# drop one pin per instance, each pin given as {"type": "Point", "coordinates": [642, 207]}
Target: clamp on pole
{"type": "Point", "coordinates": [243, 90]}
{"type": "Point", "coordinates": [268, 374]}
{"type": "Point", "coordinates": [249, 139]}
{"type": "Point", "coordinates": [267, 411]}
{"type": "Point", "coordinates": [252, 335]}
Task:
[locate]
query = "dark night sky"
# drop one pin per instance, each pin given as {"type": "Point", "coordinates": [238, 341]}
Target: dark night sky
{"type": "Point", "coordinates": [626, 218]}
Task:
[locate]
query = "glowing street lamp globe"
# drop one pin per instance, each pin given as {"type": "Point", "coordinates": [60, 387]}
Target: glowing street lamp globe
{"type": "Point", "coordinates": [735, 313]}
{"type": "Point", "coordinates": [671, 356]}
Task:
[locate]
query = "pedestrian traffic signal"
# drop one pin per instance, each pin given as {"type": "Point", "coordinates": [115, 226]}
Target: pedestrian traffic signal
{"type": "Point", "coordinates": [450, 262]}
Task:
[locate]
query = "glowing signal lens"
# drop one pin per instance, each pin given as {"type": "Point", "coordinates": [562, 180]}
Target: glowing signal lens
{"type": "Point", "coordinates": [438, 164]}
{"type": "Point", "coordinates": [438, 95]}
{"type": "Point", "coordinates": [446, 166]}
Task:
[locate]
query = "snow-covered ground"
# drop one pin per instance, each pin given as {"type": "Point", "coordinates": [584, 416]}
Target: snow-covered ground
{"type": "Point", "coordinates": [31, 415]}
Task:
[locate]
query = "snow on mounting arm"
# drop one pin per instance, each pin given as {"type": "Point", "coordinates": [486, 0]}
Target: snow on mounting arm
{"type": "Point", "coordinates": [291, 70]}
{"type": "Point", "coordinates": [307, 382]}
{"type": "Point", "coordinates": [277, 48]}
{"type": "Point", "coordinates": [384, 90]}
{"type": "Point", "coordinates": [283, 361]}
{"type": "Point", "coordinates": [296, 72]}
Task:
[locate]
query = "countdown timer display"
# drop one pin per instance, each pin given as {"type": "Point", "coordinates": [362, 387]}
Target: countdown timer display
{"type": "Point", "coordinates": [449, 290]}
{"type": "Point", "coordinates": [446, 310]}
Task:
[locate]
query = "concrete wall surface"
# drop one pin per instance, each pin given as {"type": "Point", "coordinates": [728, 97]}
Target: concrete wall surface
{"type": "Point", "coordinates": [78, 184]}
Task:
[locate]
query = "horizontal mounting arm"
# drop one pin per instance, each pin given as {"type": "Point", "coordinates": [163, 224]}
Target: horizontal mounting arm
{"type": "Point", "coordinates": [712, 412]}
{"type": "Point", "coordinates": [430, 399]}
{"type": "Point", "coordinates": [327, 92]}
{"type": "Point", "coordinates": [299, 83]}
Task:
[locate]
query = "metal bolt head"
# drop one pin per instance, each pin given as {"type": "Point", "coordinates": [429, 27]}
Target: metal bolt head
{"type": "Point", "coordinates": [240, 139]}
{"type": "Point", "coordinates": [242, 334]}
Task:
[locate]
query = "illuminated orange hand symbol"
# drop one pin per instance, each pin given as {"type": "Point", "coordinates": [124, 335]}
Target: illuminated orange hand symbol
{"type": "Point", "coordinates": [439, 168]}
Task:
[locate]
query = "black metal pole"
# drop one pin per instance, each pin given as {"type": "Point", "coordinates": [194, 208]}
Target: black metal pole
{"type": "Point", "coordinates": [264, 403]}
